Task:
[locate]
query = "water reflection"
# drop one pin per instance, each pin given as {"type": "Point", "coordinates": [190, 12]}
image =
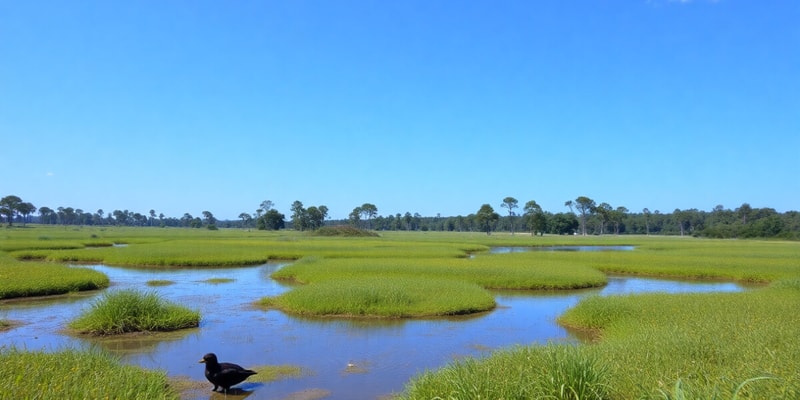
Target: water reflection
{"type": "Point", "coordinates": [141, 342]}
{"type": "Point", "coordinates": [385, 353]}
{"type": "Point", "coordinates": [629, 285]}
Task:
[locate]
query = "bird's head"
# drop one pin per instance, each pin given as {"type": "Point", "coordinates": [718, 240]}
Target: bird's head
{"type": "Point", "coordinates": [209, 358]}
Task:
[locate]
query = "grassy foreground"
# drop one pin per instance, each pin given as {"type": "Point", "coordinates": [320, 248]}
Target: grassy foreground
{"type": "Point", "coordinates": [650, 346]}
{"type": "Point", "coordinates": [705, 344]}
{"type": "Point", "coordinates": [74, 374]}
{"type": "Point", "coordinates": [536, 372]}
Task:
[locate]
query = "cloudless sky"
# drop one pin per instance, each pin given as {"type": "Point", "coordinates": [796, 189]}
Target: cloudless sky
{"type": "Point", "coordinates": [430, 106]}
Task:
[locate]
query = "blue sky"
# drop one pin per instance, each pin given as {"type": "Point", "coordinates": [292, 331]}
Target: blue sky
{"type": "Point", "coordinates": [430, 107]}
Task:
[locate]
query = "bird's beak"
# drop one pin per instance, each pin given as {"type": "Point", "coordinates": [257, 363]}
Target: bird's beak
{"type": "Point", "coordinates": [202, 361]}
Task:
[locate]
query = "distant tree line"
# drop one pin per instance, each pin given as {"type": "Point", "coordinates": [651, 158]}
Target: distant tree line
{"type": "Point", "coordinates": [582, 216]}
{"type": "Point", "coordinates": [13, 209]}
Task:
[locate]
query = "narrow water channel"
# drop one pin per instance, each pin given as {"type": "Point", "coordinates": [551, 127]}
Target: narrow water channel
{"type": "Point", "coordinates": [525, 249]}
{"type": "Point", "coordinates": [383, 354]}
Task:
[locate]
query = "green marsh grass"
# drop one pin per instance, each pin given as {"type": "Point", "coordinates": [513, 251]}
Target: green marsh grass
{"type": "Point", "coordinates": [398, 297]}
{"type": "Point", "coordinates": [739, 260]}
{"type": "Point", "coordinates": [187, 247]}
{"type": "Point", "coordinates": [130, 310]}
{"type": "Point", "coordinates": [74, 374]}
{"type": "Point", "coordinates": [24, 279]}
{"type": "Point", "coordinates": [491, 271]}
{"type": "Point", "coordinates": [725, 346]}
{"type": "Point", "coordinates": [710, 343]}
{"type": "Point", "coordinates": [343, 230]}
{"type": "Point", "coordinates": [648, 346]}
{"type": "Point", "coordinates": [536, 372]}
{"type": "Point", "coordinates": [680, 392]}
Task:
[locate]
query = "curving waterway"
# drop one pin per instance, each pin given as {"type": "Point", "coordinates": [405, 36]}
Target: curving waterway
{"type": "Point", "coordinates": [345, 359]}
{"type": "Point", "coordinates": [525, 249]}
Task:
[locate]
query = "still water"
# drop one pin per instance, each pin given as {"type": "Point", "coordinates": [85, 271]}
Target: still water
{"type": "Point", "coordinates": [343, 359]}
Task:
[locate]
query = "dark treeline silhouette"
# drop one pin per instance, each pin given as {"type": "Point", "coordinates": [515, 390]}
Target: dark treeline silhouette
{"type": "Point", "coordinates": [763, 223]}
{"type": "Point", "coordinates": [583, 217]}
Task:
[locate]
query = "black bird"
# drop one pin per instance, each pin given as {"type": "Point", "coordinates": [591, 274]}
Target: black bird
{"type": "Point", "coordinates": [224, 374]}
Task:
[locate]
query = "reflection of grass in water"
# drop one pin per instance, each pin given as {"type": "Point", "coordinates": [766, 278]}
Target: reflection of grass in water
{"type": "Point", "coordinates": [480, 347]}
{"type": "Point", "coordinates": [160, 282]}
{"type": "Point", "coordinates": [271, 373]}
{"type": "Point", "coordinates": [139, 342]}
{"type": "Point", "coordinates": [353, 368]}
{"type": "Point", "coordinates": [215, 281]}
{"type": "Point", "coordinates": [183, 384]}
{"type": "Point", "coordinates": [308, 394]}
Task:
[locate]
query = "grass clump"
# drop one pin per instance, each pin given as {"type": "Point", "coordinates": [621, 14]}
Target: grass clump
{"type": "Point", "coordinates": [681, 392]}
{"type": "Point", "coordinates": [160, 282]}
{"type": "Point", "coordinates": [399, 297]}
{"type": "Point", "coordinates": [541, 372]}
{"type": "Point", "coordinates": [74, 374]}
{"type": "Point", "coordinates": [130, 310]}
{"type": "Point", "coordinates": [271, 373]}
{"type": "Point", "coordinates": [216, 281]}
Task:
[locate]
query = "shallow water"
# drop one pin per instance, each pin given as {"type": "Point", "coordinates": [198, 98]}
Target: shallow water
{"type": "Point", "coordinates": [383, 354]}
